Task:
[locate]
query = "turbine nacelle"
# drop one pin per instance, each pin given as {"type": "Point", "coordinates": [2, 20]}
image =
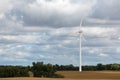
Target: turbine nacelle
{"type": "Point", "coordinates": [80, 31]}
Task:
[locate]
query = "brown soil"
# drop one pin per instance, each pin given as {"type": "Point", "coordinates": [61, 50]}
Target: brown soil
{"type": "Point", "coordinates": [75, 75]}
{"type": "Point", "coordinates": [91, 74]}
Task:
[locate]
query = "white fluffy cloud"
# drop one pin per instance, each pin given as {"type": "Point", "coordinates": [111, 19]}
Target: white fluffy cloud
{"type": "Point", "coordinates": [56, 13]}
{"type": "Point", "coordinates": [47, 30]}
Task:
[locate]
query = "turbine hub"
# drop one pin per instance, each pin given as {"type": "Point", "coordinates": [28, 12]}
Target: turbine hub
{"type": "Point", "coordinates": [80, 31]}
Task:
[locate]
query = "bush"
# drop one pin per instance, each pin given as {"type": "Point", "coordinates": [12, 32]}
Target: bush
{"type": "Point", "coordinates": [13, 71]}
{"type": "Point", "coordinates": [40, 69]}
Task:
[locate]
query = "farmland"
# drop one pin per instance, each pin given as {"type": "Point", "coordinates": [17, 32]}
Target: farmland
{"type": "Point", "coordinates": [91, 74]}
{"type": "Point", "coordinates": [75, 75]}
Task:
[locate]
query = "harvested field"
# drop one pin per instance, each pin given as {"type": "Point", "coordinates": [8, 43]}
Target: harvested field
{"type": "Point", "coordinates": [33, 79]}
{"type": "Point", "coordinates": [75, 75]}
{"type": "Point", "coordinates": [49, 79]}
{"type": "Point", "coordinates": [91, 74]}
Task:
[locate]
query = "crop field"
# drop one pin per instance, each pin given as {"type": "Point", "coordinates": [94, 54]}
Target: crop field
{"type": "Point", "coordinates": [33, 79]}
{"type": "Point", "coordinates": [74, 75]}
{"type": "Point", "coordinates": [91, 74]}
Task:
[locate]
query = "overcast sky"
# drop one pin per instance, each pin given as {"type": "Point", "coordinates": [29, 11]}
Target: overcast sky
{"type": "Point", "coordinates": [47, 30]}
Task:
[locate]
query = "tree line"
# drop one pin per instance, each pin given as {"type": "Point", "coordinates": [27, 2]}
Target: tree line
{"type": "Point", "coordinates": [39, 69]}
{"type": "Point", "coordinates": [13, 71]}
{"type": "Point", "coordinates": [98, 67]}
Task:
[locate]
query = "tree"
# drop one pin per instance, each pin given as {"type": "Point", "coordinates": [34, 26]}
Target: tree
{"type": "Point", "coordinates": [37, 69]}
{"type": "Point", "coordinates": [115, 66]}
{"type": "Point", "coordinates": [100, 66]}
{"type": "Point", "coordinates": [13, 71]}
{"type": "Point", "coordinates": [42, 70]}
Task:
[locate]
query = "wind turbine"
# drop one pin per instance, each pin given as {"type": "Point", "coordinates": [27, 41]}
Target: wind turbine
{"type": "Point", "coordinates": [80, 46]}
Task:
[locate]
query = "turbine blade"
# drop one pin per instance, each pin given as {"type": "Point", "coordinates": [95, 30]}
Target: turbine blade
{"type": "Point", "coordinates": [84, 38]}
{"type": "Point", "coordinates": [81, 23]}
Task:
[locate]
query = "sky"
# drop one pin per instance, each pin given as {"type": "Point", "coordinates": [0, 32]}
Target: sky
{"type": "Point", "coordinates": [47, 30]}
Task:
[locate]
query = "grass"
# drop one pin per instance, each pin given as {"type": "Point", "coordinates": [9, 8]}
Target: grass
{"type": "Point", "coordinates": [75, 75]}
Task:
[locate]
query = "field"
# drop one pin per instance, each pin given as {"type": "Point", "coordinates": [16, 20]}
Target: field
{"type": "Point", "coordinates": [91, 74]}
{"type": "Point", "coordinates": [74, 75]}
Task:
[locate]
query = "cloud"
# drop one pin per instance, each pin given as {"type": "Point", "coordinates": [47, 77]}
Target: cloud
{"type": "Point", "coordinates": [54, 45]}
{"type": "Point", "coordinates": [58, 13]}
{"type": "Point", "coordinates": [5, 6]}
{"type": "Point", "coordinates": [118, 50]}
{"type": "Point", "coordinates": [47, 30]}
{"type": "Point", "coordinates": [107, 10]}
{"type": "Point", "coordinates": [103, 55]}
{"type": "Point", "coordinates": [54, 13]}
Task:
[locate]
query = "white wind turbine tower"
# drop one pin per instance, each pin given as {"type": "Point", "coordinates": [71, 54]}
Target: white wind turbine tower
{"type": "Point", "coordinates": [80, 46]}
